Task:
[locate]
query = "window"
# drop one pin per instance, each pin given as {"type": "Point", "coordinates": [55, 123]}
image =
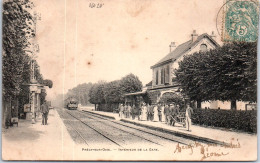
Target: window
{"type": "Point", "coordinates": [157, 77]}
{"type": "Point", "coordinates": [203, 47]}
{"type": "Point", "coordinates": [167, 74]}
{"type": "Point", "coordinates": [162, 75]}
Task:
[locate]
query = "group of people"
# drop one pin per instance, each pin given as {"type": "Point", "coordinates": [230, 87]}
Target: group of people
{"type": "Point", "coordinates": [168, 113]}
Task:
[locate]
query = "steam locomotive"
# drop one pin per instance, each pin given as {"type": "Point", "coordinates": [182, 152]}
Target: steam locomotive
{"type": "Point", "coordinates": [71, 103]}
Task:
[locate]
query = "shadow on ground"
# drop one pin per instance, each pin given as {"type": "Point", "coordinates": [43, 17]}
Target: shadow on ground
{"type": "Point", "coordinates": [25, 130]}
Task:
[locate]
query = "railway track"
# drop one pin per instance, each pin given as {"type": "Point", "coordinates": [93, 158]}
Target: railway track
{"type": "Point", "coordinates": [99, 124]}
{"type": "Point", "coordinates": [182, 139]}
{"type": "Point", "coordinates": [93, 129]}
{"type": "Point", "coordinates": [108, 124]}
{"type": "Point", "coordinates": [159, 134]}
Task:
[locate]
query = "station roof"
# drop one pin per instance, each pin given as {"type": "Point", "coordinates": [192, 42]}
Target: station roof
{"type": "Point", "coordinates": [135, 93]}
{"type": "Point", "coordinates": [181, 49]}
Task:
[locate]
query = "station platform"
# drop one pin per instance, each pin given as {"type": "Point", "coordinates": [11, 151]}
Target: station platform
{"type": "Point", "coordinates": [247, 141]}
{"type": "Point", "coordinates": [37, 142]}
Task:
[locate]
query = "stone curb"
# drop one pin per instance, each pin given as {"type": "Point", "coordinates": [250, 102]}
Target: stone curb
{"type": "Point", "coordinates": [107, 116]}
{"type": "Point", "coordinates": [181, 134]}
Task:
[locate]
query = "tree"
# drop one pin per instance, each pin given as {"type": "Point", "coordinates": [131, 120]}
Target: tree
{"type": "Point", "coordinates": [191, 75]}
{"type": "Point", "coordinates": [96, 93]}
{"type": "Point", "coordinates": [227, 73]}
{"type": "Point", "coordinates": [17, 31]}
{"type": "Point", "coordinates": [129, 84]}
{"type": "Point", "coordinates": [112, 92]}
{"type": "Point", "coordinates": [81, 93]}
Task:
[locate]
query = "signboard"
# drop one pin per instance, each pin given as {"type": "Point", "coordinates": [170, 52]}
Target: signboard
{"type": "Point", "coordinates": [251, 106]}
{"type": "Point", "coordinates": [33, 88]}
{"type": "Point", "coordinates": [27, 108]}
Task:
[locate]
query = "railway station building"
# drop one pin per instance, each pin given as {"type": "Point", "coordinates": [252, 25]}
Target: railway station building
{"type": "Point", "coordinates": [163, 72]}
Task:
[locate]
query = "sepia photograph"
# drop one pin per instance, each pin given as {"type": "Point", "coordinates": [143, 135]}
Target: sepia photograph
{"type": "Point", "coordinates": [129, 80]}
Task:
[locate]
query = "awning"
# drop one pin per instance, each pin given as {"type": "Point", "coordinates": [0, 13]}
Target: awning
{"type": "Point", "coordinates": [136, 93]}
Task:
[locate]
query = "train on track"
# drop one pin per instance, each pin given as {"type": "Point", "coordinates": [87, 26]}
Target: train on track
{"type": "Point", "coordinates": [71, 103]}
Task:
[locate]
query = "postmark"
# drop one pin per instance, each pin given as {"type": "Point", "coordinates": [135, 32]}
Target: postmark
{"type": "Point", "coordinates": [240, 21]}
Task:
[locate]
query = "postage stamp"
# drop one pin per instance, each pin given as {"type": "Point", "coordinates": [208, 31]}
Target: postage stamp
{"type": "Point", "coordinates": [240, 21]}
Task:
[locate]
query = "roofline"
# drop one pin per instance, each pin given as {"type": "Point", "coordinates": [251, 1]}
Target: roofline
{"type": "Point", "coordinates": [169, 60]}
{"type": "Point", "coordinates": [172, 86]}
{"type": "Point", "coordinates": [162, 63]}
{"type": "Point", "coordinates": [213, 40]}
{"type": "Point", "coordinates": [135, 93]}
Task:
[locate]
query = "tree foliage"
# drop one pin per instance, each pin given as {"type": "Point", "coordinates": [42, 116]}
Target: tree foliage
{"type": "Point", "coordinates": [113, 92]}
{"type": "Point", "coordinates": [17, 31]}
{"type": "Point", "coordinates": [227, 73]}
{"type": "Point", "coordinates": [81, 93]}
{"type": "Point", "coordinates": [48, 83]}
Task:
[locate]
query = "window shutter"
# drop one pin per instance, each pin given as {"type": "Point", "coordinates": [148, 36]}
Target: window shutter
{"type": "Point", "coordinates": [162, 76]}
{"type": "Point", "coordinates": [167, 75]}
{"type": "Point", "coordinates": [157, 77]}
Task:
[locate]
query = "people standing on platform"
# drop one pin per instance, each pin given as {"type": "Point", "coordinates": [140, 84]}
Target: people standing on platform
{"type": "Point", "coordinates": [144, 112]}
{"type": "Point", "coordinates": [133, 111]}
{"type": "Point", "coordinates": [125, 110]}
{"type": "Point", "coordinates": [121, 111]}
{"type": "Point", "coordinates": [159, 108]}
{"type": "Point", "coordinates": [47, 111]}
{"type": "Point", "coordinates": [44, 111]}
{"type": "Point", "coordinates": [171, 116]}
{"type": "Point", "coordinates": [174, 114]}
{"type": "Point", "coordinates": [156, 114]}
{"type": "Point", "coordinates": [129, 108]}
{"type": "Point", "coordinates": [178, 108]}
{"type": "Point", "coordinates": [188, 113]}
{"type": "Point", "coordinates": [162, 111]}
{"type": "Point", "coordinates": [166, 113]}
{"type": "Point", "coordinates": [139, 111]}
{"type": "Point", "coordinates": [150, 112]}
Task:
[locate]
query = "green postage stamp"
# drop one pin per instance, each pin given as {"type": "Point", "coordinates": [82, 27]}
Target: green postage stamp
{"type": "Point", "coordinates": [240, 20]}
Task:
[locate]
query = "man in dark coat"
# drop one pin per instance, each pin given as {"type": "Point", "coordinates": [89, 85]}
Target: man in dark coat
{"type": "Point", "coordinates": [160, 112]}
{"type": "Point", "coordinates": [44, 111]}
{"type": "Point", "coordinates": [133, 111]}
{"type": "Point", "coordinates": [150, 112]}
{"type": "Point", "coordinates": [125, 110]}
{"type": "Point", "coordinates": [139, 111]}
{"type": "Point", "coordinates": [174, 114]}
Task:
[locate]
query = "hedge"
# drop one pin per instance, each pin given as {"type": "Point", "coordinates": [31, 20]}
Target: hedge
{"type": "Point", "coordinates": [109, 107]}
{"type": "Point", "coordinates": [229, 119]}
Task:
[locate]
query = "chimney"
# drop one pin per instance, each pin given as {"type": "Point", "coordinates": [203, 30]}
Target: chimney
{"type": "Point", "coordinates": [172, 46]}
{"type": "Point", "coordinates": [213, 36]}
{"type": "Point", "coordinates": [194, 36]}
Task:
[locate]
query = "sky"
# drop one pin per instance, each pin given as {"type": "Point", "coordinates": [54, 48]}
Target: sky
{"type": "Point", "coordinates": [80, 44]}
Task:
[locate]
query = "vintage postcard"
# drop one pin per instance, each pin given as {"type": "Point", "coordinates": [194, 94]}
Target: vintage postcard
{"type": "Point", "coordinates": [129, 80]}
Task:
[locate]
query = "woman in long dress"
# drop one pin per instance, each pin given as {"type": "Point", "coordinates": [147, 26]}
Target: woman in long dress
{"type": "Point", "coordinates": [144, 113]}
{"type": "Point", "coordinates": [163, 116]}
{"type": "Point", "coordinates": [156, 116]}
